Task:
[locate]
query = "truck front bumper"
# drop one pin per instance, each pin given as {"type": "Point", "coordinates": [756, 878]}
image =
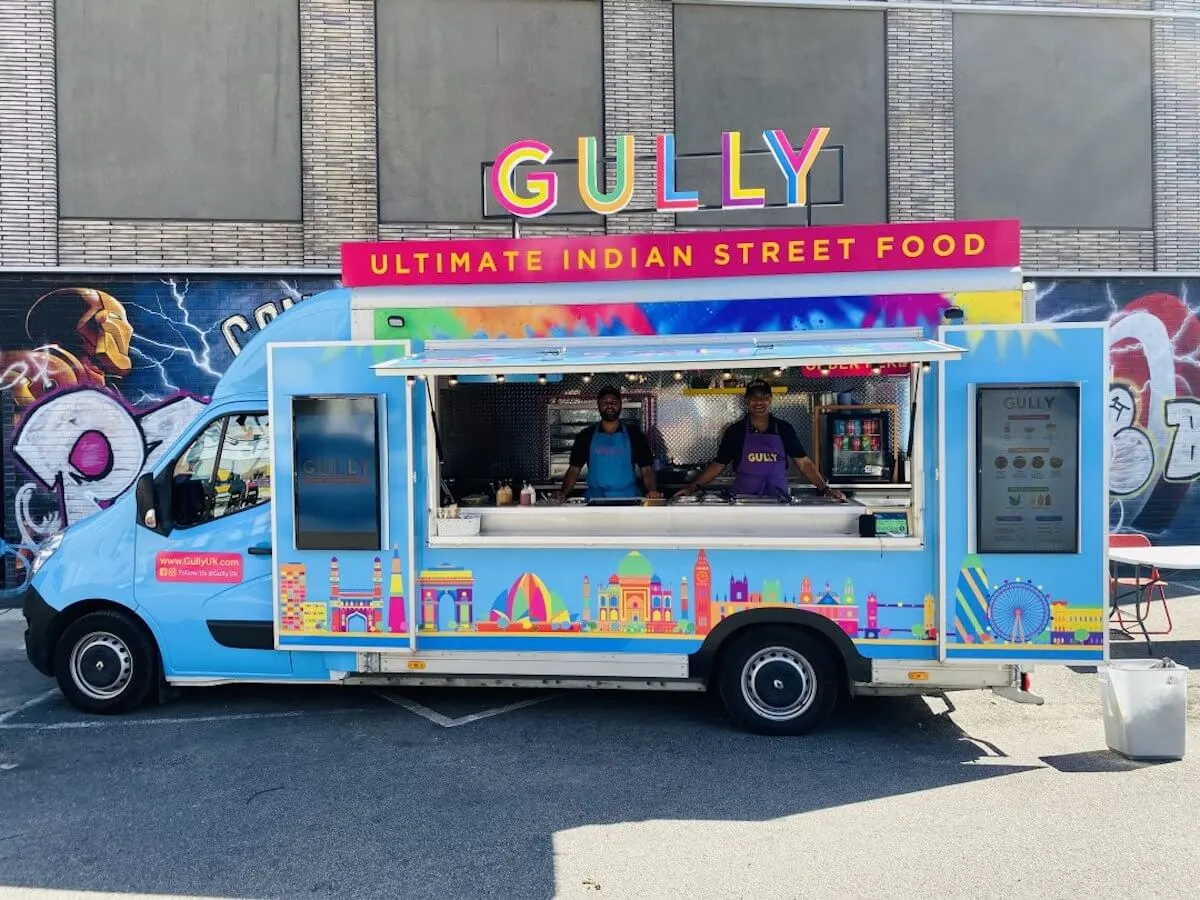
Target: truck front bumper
{"type": "Point", "coordinates": [39, 623]}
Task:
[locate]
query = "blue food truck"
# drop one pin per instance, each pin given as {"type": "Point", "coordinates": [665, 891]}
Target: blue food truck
{"type": "Point", "coordinates": [786, 483]}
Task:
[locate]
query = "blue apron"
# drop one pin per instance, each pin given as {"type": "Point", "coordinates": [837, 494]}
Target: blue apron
{"type": "Point", "coordinates": [610, 466]}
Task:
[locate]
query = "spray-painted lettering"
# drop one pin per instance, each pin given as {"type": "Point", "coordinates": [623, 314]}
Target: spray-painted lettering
{"type": "Point", "coordinates": [89, 448]}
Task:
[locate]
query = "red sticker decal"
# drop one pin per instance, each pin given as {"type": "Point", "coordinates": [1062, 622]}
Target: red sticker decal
{"type": "Point", "coordinates": [205, 568]}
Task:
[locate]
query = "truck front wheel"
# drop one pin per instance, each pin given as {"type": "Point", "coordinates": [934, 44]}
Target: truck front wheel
{"type": "Point", "coordinates": [106, 663]}
{"type": "Point", "coordinates": [778, 680]}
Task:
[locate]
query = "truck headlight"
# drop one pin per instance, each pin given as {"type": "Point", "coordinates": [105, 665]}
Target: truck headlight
{"type": "Point", "coordinates": [44, 552]}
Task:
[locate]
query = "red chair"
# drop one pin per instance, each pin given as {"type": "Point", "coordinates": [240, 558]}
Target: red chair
{"type": "Point", "coordinates": [1154, 584]}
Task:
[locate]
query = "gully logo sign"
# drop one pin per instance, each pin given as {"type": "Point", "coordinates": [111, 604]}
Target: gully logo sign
{"type": "Point", "coordinates": [542, 185]}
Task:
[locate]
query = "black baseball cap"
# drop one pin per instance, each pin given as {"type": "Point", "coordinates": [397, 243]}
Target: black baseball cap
{"type": "Point", "coordinates": [758, 386]}
{"type": "Point", "coordinates": [609, 390]}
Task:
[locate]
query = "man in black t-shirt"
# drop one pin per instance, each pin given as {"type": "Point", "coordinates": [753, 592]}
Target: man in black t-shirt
{"type": "Point", "coordinates": [614, 453]}
{"type": "Point", "coordinates": [758, 447]}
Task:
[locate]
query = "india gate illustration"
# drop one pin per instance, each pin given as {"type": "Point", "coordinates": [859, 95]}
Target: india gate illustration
{"type": "Point", "coordinates": [348, 610]}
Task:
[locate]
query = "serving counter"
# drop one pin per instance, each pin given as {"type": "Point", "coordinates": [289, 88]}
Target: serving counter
{"type": "Point", "coordinates": [713, 518]}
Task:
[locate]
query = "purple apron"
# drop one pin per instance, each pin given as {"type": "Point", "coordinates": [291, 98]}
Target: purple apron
{"type": "Point", "coordinates": [763, 467]}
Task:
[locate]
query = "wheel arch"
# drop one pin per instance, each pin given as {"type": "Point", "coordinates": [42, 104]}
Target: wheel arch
{"type": "Point", "coordinates": [705, 662]}
{"type": "Point", "coordinates": [77, 610]}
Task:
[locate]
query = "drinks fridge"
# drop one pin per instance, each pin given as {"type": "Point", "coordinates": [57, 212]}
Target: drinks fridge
{"type": "Point", "coordinates": [855, 444]}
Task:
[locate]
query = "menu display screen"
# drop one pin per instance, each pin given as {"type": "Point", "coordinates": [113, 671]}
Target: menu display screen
{"type": "Point", "coordinates": [337, 489]}
{"type": "Point", "coordinates": [1027, 468]}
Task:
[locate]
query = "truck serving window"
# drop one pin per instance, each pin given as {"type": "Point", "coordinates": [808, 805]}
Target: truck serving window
{"type": "Point", "coordinates": [336, 476]}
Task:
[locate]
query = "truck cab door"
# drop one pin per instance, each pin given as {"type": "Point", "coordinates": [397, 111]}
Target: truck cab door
{"type": "Point", "coordinates": [204, 576]}
{"type": "Point", "coordinates": [344, 498]}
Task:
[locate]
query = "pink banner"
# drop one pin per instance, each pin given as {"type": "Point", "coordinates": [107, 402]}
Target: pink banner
{"type": "Point", "coordinates": [205, 568]}
{"type": "Point", "coordinates": [713, 254]}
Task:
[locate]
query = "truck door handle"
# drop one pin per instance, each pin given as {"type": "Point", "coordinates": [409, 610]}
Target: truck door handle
{"type": "Point", "coordinates": [260, 550]}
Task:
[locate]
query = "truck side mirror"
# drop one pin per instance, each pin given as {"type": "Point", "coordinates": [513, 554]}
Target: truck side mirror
{"type": "Point", "coordinates": [147, 507]}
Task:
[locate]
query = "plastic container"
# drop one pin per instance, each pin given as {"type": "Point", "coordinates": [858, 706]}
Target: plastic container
{"type": "Point", "coordinates": [462, 526]}
{"type": "Point", "coordinates": [1144, 703]}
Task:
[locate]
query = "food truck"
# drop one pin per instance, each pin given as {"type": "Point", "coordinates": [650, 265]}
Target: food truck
{"type": "Point", "coordinates": [939, 523]}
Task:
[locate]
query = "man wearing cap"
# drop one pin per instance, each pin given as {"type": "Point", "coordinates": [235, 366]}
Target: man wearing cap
{"type": "Point", "coordinates": [611, 449]}
{"type": "Point", "coordinates": [758, 446]}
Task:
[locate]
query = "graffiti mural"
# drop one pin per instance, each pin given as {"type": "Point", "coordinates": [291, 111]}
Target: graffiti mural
{"type": "Point", "coordinates": [1154, 401]}
{"type": "Point", "coordinates": [99, 373]}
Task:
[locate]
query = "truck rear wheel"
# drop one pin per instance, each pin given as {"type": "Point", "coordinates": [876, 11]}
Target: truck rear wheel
{"type": "Point", "coordinates": [778, 680]}
{"type": "Point", "coordinates": [106, 663]}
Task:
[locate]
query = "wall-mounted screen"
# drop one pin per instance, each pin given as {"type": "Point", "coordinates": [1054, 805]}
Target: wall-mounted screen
{"type": "Point", "coordinates": [1027, 468]}
{"type": "Point", "coordinates": [337, 479]}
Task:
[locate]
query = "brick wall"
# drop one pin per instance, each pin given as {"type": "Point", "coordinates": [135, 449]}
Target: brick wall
{"type": "Point", "coordinates": [28, 160]}
{"type": "Point", "coordinates": [1176, 48]}
{"type": "Point", "coordinates": [99, 242]}
{"type": "Point", "coordinates": [338, 143]}
{"type": "Point", "coordinates": [920, 108]}
{"type": "Point", "coordinates": [639, 94]}
{"type": "Point", "coordinates": [340, 178]}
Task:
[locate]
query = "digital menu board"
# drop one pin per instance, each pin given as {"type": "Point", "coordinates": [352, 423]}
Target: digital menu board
{"type": "Point", "coordinates": [1027, 468]}
{"type": "Point", "coordinates": [336, 475]}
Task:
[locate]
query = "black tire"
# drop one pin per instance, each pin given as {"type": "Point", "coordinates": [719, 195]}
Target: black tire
{"type": "Point", "coordinates": [792, 680]}
{"type": "Point", "coordinates": [105, 662]}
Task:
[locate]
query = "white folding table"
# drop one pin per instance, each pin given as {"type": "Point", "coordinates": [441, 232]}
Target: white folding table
{"type": "Point", "coordinates": [1168, 561]}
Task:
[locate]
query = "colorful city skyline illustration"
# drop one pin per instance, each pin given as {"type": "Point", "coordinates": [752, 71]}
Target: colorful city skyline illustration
{"type": "Point", "coordinates": [1017, 611]}
{"type": "Point", "coordinates": [633, 601]}
{"type": "Point", "coordinates": [356, 611]}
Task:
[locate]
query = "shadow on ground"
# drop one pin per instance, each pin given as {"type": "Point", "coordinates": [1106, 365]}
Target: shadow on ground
{"type": "Point", "coordinates": [381, 803]}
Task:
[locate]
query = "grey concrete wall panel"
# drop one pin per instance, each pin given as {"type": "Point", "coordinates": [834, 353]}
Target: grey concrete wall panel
{"type": "Point", "coordinates": [1052, 120]}
{"type": "Point", "coordinates": [747, 69]}
{"type": "Point", "coordinates": [179, 109]}
{"type": "Point", "coordinates": [461, 79]}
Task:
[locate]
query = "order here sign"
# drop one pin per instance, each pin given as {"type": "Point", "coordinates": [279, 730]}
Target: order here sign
{"type": "Point", "coordinates": [715, 254]}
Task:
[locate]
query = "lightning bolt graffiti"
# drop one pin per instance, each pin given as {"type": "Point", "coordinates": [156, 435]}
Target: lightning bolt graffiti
{"type": "Point", "coordinates": [193, 341]}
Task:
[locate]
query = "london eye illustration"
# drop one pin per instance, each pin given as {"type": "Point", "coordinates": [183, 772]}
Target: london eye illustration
{"type": "Point", "coordinates": [1019, 611]}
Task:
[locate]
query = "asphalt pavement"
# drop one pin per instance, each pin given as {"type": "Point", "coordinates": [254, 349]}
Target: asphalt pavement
{"type": "Point", "coordinates": [337, 792]}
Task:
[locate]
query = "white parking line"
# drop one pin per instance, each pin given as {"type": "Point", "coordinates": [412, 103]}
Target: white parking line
{"type": "Point", "coordinates": [28, 704]}
{"type": "Point", "coordinates": [181, 720]}
{"type": "Point", "coordinates": [446, 722]}
{"type": "Point", "coordinates": [6, 723]}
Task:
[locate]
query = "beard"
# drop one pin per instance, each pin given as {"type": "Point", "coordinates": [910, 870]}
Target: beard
{"type": "Point", "coordinates": [610, 415]}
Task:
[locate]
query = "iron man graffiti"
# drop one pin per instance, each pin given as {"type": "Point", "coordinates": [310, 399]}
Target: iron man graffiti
{"type": "Point", "coordinates": [94, 352]}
